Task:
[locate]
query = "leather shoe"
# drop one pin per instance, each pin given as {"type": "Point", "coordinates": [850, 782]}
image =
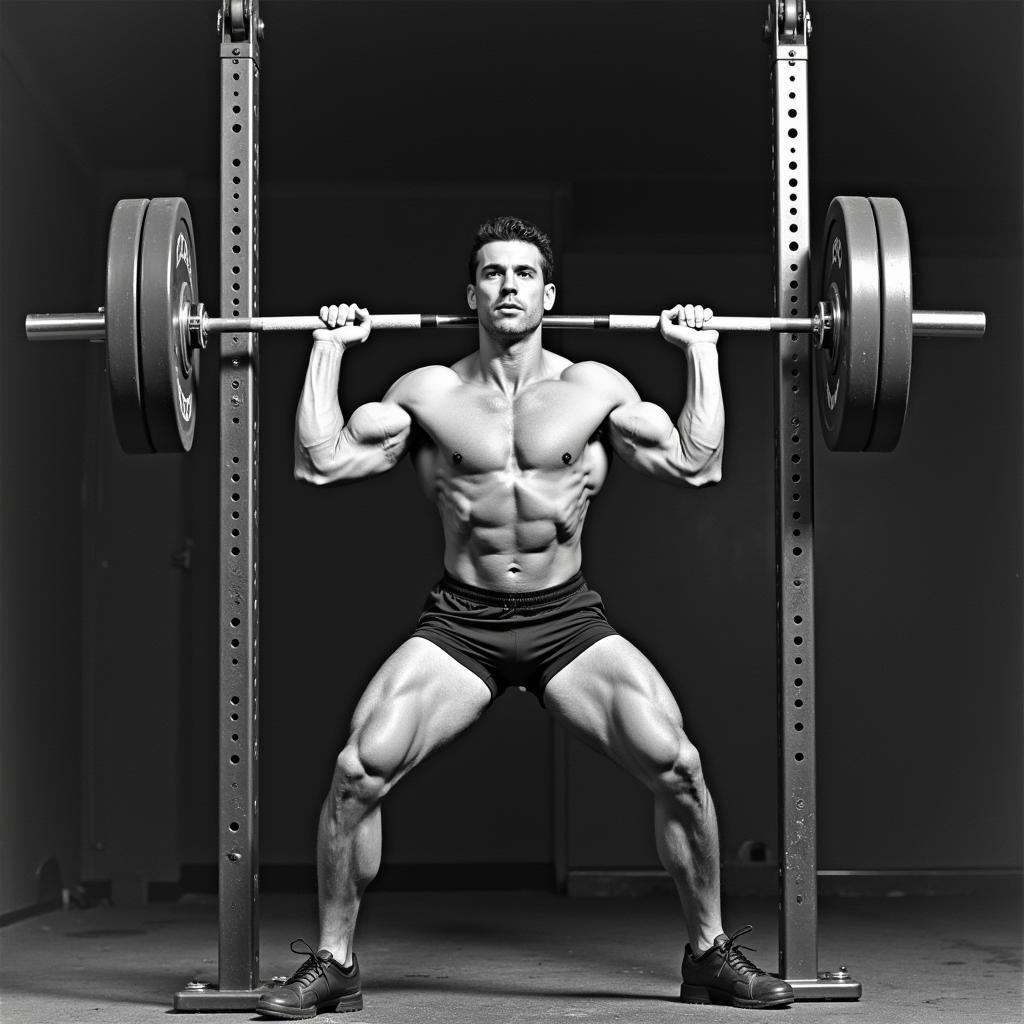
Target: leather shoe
{"type": "Point", "coordinates": [320, 985]}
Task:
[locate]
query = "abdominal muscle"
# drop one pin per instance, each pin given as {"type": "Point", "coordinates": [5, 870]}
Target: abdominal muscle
{"type": "Point", "coordinates": [514, 529]}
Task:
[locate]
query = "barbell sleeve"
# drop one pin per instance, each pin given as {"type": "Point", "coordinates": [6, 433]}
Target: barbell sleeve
{"type": "Point", "coordinates": [66, 326]}
{"type": "Point", "coordinates": [92, 326]}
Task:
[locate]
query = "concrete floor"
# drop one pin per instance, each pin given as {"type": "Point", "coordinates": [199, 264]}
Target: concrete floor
{"type": "Point", "coordinates": [525, 957]}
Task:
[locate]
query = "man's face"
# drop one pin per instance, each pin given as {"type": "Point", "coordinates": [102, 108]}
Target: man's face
{"type": "Point", "coordinates": [509, 294]}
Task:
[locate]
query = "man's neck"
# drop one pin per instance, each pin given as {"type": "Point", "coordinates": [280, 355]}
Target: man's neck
{"type": "Point", "coordinates": [511, 365]}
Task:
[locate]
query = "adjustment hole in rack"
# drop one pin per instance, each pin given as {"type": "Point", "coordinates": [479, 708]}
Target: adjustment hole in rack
{"type": "Point", "coordinates": [798, 757]}
{"type": "Point", "coordinates": [799, 726]}
{"type": "Point", "coordinates": [233, 826]}
{"type": "Point", "coordinates": [235, 759]}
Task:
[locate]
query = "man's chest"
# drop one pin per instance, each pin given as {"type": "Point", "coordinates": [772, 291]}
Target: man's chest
{"type": "Point", "coordinates": [547, 426]}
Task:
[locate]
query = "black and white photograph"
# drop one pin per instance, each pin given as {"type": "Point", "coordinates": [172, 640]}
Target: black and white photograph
{"type": "Point", "coordinates": [512, 511]}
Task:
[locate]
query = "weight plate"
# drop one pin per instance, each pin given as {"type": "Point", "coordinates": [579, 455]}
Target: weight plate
{"type": "Point", "coordinates": [167, 291]}
{"type": "Point", "coordinates": [847, 370]}
{"type": "Point", "coordinates": [897, 324]}
{"type": "Point", "coordinates": [122, 316]}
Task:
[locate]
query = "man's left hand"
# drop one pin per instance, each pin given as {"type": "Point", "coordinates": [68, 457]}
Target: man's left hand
{"type": "Point", "coordinates": [683, 326]}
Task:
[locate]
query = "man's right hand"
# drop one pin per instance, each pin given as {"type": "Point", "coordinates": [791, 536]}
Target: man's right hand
{"type": "Point", "coordinates": [345, 324]}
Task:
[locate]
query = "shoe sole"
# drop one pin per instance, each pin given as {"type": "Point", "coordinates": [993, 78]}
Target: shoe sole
{"type": "Point", "coordinates": [346, 1004]}
{"type": "Point", "coordinates": [702, 994]}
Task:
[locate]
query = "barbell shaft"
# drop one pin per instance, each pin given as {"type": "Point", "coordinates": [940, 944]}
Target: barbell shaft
{"type": "Point", "coordinates": [92, 326]}
{"type": "Point", "coordinates": [416, 321]}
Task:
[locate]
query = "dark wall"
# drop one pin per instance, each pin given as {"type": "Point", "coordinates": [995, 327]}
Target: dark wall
{"type": "Point", "coordinates": [647, 149]}
{"type": "Point", "coordinates": [42, 415]}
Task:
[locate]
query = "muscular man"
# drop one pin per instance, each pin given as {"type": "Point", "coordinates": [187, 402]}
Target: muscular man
{"type": "Point", "coordinates": [511, 444]}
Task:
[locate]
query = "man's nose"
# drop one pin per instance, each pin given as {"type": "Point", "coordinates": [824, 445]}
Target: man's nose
{"type": "Point", "coordinates": [508, 283]}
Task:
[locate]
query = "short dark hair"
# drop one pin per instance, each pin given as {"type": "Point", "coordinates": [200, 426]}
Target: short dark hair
{"type": "Point", "coordinates": [513, 229]}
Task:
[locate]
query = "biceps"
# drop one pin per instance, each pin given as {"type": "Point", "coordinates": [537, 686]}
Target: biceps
{"type": "Point", "coordinates": [642, 430]}
{"type": "Point", "coordinates": [371, 442]}
{"type": "Point", "coordinates": [376, 436]}
{"type": "Point", "coordinates": [644, 435]}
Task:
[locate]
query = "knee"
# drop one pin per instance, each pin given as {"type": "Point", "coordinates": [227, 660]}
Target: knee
{"type": "Point", "coordinates": [683, 779]}
{"type": "Point", "coordinates": [353, 782]}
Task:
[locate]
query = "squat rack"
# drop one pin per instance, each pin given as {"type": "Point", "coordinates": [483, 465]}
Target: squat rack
{"type": "Point", "coordinates": [240, 30]}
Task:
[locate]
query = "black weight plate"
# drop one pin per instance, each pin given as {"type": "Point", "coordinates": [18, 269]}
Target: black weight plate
{"type": "Point", "coordinates": [897, 322]}
{"type": "Point", "coordinates": [122, 316]}
{"type": "Point", "coordinates": [847, 374]}
{"type": "Point", "coordinates": [170, 368]}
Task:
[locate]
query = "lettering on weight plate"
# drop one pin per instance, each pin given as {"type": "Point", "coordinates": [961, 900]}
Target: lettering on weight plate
{"type": "Point", "coordinates": [184, 403]}
{"type": "Point", "coordinates": [837, 251]}
{"type": "Point", "coordinates": [182, 254]}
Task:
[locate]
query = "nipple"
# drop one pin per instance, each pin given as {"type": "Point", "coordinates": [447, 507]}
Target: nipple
{"type": "Point", "coordinates": [567, 458]}
{"type": "Point", "coordinates": [456, 458]}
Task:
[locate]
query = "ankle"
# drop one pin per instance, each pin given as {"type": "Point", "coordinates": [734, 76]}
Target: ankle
{"type": "Point", "coordinates": [338, 953]}
{"type": "Point", "coordinates": [704, 942]}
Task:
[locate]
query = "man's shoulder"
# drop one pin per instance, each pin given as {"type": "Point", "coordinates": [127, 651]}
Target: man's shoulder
{"type": "Point", "coordinates": [422, 381]}
{"type": "Point", "coordinates": [593, 374]}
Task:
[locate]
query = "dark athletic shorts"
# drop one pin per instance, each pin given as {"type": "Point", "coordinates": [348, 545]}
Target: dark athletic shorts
{"type": "Point", "coordinates": [513, 639]}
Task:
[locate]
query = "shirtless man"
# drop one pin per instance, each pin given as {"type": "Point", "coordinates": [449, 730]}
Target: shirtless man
{"type": "Point", "coordinates": [511, 443]}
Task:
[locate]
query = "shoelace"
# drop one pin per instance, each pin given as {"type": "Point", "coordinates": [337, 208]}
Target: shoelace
{"type": "Point", "coordinates": [311, 968]}
{"type": "Point", "coordinates": [732, 956]}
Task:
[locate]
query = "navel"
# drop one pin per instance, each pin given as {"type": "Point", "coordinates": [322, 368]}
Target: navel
{"type": "Point", "coordinates": [456, 458]}
{"type": "Point", "coordinates": [567, 458]}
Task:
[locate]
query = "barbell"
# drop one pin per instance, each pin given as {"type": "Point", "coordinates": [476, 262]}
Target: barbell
{"type": "Point", "coordinates": [154, 325]}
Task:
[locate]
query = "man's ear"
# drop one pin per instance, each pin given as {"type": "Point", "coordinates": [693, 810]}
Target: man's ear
{"type": "Point", "coordinates": [549, 295]}
{"type": "Point", "coordinates": [471, 296]}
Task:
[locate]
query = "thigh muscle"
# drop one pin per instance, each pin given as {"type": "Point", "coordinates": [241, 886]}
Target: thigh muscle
{"type": "Point", "coordinates": [419, 700]}
{"type": "Point", "coordinates": [614, 700]}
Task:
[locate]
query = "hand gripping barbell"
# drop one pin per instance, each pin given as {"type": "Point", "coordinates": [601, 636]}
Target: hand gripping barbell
{"type": "Point", "coordinates": [154, 324]}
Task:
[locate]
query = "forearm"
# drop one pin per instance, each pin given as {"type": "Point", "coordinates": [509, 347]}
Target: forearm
{"type": "Point", "coordinates": [701, 423]}
{"type": "Point", "coordinates": [319, 420]}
